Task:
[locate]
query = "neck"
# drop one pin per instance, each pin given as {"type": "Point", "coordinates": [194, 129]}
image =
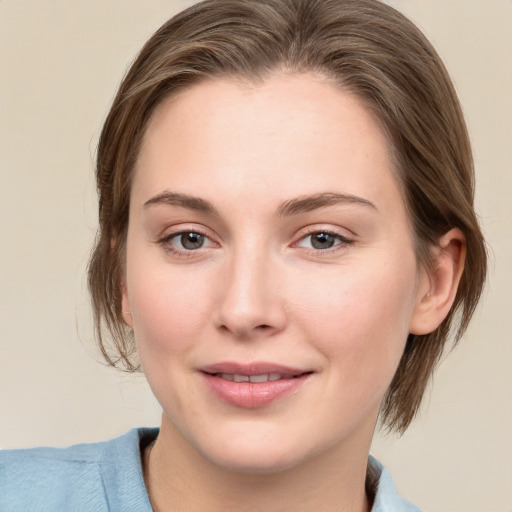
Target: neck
{"type": "Point", "coordinates": [179, 478]}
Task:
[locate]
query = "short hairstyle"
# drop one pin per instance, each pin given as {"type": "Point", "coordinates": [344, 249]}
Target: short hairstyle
{"type": "Point", "coordinates": [364, 47]}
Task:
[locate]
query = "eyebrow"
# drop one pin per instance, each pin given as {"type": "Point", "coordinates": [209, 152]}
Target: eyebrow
{"type": "Point", "coordinates": [294, 206]}
{"type": "Point", "coordinates": [183, 201]}
{"type": "Point", "coordinates": [306, 204]}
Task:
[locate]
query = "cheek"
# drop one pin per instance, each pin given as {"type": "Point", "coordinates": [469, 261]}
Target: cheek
{"type": "Point", "coordinates": [359, 319]}
{"type": "Point", "coordinates": [169, 314]}
{"type": "Point", "coordinates": [169, 307]}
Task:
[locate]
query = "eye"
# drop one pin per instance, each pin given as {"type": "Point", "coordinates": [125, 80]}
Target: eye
{"type": "Point", "coordinates": [323, 240]}
{"type": "Point", "coordinates": [188, 241]}
{"type": "Point", "coordinates": [185, 242]}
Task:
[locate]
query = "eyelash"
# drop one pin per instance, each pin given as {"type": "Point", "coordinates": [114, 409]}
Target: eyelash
{"type": "Point", "coordinates": [342, 242]}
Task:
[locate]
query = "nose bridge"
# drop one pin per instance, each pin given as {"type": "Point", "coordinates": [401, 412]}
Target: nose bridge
{"type": "Point", "coordinates": [252, 299]}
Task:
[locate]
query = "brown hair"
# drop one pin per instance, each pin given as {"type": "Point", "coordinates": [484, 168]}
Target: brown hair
{"type": "Point", "coordinates": [364, 47]}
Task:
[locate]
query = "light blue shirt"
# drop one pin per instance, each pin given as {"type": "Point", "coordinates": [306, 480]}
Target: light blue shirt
{"type": "Point", "coordinates": [107, 476]}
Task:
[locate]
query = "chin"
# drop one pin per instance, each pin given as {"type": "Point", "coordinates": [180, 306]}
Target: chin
{"type": "Point", "coordinates": [260, 450]}
{"type": "Point", "coordinates": [254, 461]}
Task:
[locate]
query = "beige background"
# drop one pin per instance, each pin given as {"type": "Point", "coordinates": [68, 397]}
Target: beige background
{"type": "Point", "coordinates": [60, 62]}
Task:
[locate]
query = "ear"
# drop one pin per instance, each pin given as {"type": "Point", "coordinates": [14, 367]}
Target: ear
{"type": "Point", "coordinates": [438, 285]}
{"type": "Point", "coordinates": [125, 304]}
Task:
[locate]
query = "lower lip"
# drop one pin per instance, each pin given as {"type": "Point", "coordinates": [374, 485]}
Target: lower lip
{"type": "Point", "coordinates": [253, 395]}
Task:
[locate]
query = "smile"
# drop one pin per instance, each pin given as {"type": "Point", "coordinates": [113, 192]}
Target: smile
{"type": "Point", "coordinates": [252, 386]}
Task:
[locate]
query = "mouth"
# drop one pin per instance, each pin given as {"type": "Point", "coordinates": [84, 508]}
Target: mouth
{"type": "Point", "coordinates": [264, 377]}
{"type": "Point", "coordinates": [253, 372]}
{"type": "Point", "coordinates": [253, 386]}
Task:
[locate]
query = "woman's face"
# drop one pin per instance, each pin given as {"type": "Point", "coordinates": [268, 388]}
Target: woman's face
{"type": "Point", "coordinates": [271, 274]}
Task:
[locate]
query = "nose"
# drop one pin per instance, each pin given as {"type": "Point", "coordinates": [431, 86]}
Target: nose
{"type": "Point", "coordinates": [252, 302]}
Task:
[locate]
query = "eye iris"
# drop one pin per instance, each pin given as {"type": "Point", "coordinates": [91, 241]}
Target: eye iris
{"type": "Point", "coordinates": [192, 240]}
{"type": "Point", "coordinates": [322, 240]}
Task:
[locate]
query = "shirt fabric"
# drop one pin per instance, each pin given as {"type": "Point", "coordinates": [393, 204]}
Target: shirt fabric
{"type": "Point", "coordinates": [107, 477]}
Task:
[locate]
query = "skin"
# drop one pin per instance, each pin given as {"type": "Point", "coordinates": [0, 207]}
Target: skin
{"type": "Point", "coordinates": [257, 290]}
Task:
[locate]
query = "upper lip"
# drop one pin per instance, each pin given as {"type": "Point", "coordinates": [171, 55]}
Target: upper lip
{"type": "Point", "coordinates": [256, 368]}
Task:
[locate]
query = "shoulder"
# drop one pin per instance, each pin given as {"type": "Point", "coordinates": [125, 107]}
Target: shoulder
{"type": "Point", "coordinates": [51, 478]}
{"type": "Point", "coordinates": [81, 477]}
{"type": "Point", "coordinates": [387, 498]}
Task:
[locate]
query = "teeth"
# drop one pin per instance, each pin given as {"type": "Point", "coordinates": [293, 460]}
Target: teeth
{"type": "Point", "coordinates": [266, 377]}
{"type": "Point", "coordinates": [258, 378]}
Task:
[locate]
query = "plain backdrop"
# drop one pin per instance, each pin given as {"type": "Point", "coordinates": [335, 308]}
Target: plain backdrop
{"type": "Point", "coordinates": [60, 64]}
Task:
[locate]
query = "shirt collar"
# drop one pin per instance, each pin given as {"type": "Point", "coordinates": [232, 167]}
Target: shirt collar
{"type": "Point", "coordinates": [387, 498]}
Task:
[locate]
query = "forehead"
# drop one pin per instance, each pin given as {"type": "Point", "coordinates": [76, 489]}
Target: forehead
{"type": "Point", "coordinates": [290, 135]}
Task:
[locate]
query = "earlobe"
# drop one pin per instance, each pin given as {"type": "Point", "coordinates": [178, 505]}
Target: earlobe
{"type": "Point", "coordinates": [437, 291]}
{"type": "Point", "coordinates": [125, 305]}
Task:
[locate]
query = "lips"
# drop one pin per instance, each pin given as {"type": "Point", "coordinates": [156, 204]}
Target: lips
{"type": "Point", "coordinates": [252, 386]}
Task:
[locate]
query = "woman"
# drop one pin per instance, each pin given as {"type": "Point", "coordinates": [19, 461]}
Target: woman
{"type": "Point", "coordinates": [286, 234]}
